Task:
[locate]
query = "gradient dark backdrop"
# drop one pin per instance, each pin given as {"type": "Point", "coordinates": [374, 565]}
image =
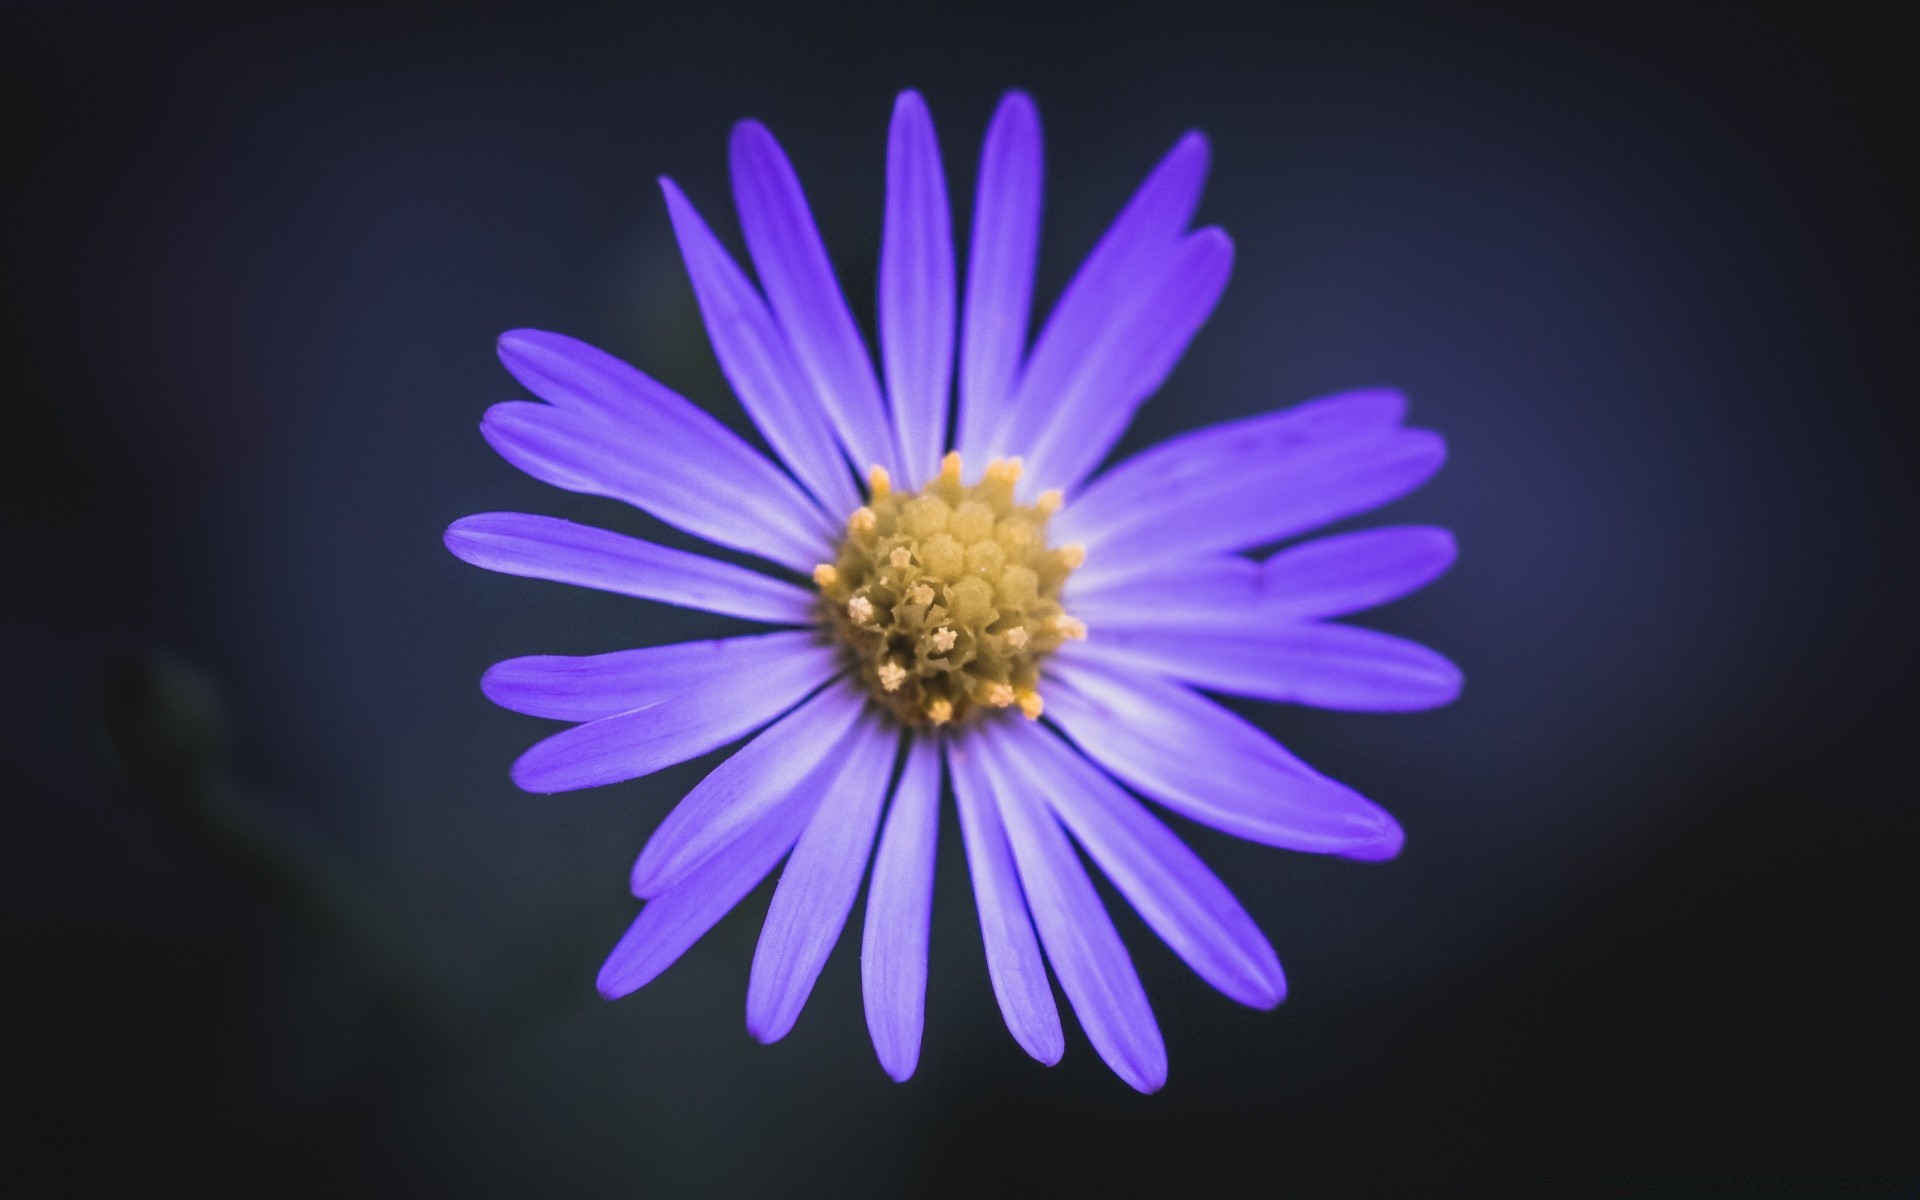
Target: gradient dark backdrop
{"type": "Point", "coordinates": [1650, 271]}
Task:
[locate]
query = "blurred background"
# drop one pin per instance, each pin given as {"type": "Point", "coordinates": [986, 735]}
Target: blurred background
{"type": "Point", "coordinates": [278, 922]}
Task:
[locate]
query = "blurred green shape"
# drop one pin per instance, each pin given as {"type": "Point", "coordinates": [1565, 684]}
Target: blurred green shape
{"type": "Point", "coordinates": [168, 726]}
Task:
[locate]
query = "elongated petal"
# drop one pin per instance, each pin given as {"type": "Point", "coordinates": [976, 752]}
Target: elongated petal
{"type": "Point", "coordinates": [743, 788]}
{"type": "Point", "coordinates": [1129, 362]}
{"type": "Point", "coordinates": [565, 552]}
{"type": "Point", "coordinates": [1107, 284]}
{"type": "Point", "coordinates": [1082, 944]}
{"type": "Point", "coordinates": [1173, 891]}
{"type": "Point", "coordinates": [1307, 662]}
{"type": "Point", "coordinates": [1238, 491]}
{"type": "Point", "coordinates": [1134, 493]}
{"type": "Point", "coordinates": [705, 716]}
{"type": "Point", "coordinates": [675, 920]}
{"type": "Point", "coordinates": [893, 947]}
{"type": "Point", "coordinates": [1256, 506]}
{"type": "Point", "coordinates": [1193, 592]}
{"type": "Point", "coordinates": [754, 355]}
{"type": "Point", "coordinates": [611, 431]}
{"type": "Point", "coordinates": [1348, 572]}
{"type": "Point", "coordinates": [589, 687]}
{"type": "Point", "coordinates": [1206, 763]}
{"type": "Point", "coordinates": [1328, 577]}
{"type": "Point", "coordinates": [916, 289]}
{"type": "Point", "coordinates": [821, 879]}
{"type": "Point", "coordinates": [1013, 953]}
{"type": "Point", "coordinates": [800, 284]}
{"type": "Point", "coordinates": [1006, 243]}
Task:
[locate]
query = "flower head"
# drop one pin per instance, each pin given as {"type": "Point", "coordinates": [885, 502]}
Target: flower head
{"type": "Point", "coordinates": [971, 602]}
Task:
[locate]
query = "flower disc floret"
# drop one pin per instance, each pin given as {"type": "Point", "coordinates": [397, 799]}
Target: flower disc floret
{"type": "Point", "coordinates": [947, 600]}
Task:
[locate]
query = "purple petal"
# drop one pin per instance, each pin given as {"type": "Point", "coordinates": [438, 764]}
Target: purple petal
{"type": "Point", "coordinates": [818, 886]}
{"type": "Point", "coordinates": [1006, 242]}
{"type": "Point", "coordinates": [1204, 762]}
{"type": "Point", "coordinates": [1128, 495]}
{"type": "Point", "coordinates": [1241, 492]}
{"type": "Point", "coordinates": [916, 289]}
{"type": "Point", "coordinates": [1348, 572]}
{"type": "Point", "coordinates": [893, 948]}
{"type": "Point", "coordinates": [706, 716]}
{"type": "Point", "coordinates": [1196, 591]}
{"type": "Point", "coordinates": [1328, 577]}
{"type": "Point", "coordinates": [1174, 892]}
{"type": "Point", "coordinates": [1132, 251]}
{"type": "Point", "coordinates": [800, 284]}
{"type": "Point", "coordinates": [675, 920]}
{"type": "Point", "coordinates": [1142, 342]}
{"type": "Point", "coordinates": [1307, 662]}
{"type": "Point", "coordinates": [1256, 504]}
{"type": "Point", "coordinates": [1013, 955]}
{"type": "Point", "coordinates": [1084, 948]}
{"type": "Point", "coordinates": [611, 431]}
{"type": "Point", "coordinates": [753, 353]}
{"type": "Point", "coordinates": [747, 785]}
{"type": "Point", "coordinates": [549, 548]}
{"type": "Point", "coordinates": [604, 685]}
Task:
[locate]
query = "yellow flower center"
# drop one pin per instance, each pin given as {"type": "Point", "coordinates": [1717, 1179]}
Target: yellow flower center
{"type": "Point", "coordinates": [946, 601]}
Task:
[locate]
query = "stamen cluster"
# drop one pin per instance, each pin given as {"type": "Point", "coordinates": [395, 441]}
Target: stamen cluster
{"type": "Point", "coordinates": [947, 600]}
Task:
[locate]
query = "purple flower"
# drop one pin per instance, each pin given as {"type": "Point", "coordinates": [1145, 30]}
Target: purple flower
{"type": "Point", "coordinates": [958, 596]}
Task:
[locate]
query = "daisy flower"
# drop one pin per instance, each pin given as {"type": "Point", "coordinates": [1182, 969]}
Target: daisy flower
{"type": "Point", "coordinates": [963, 600]}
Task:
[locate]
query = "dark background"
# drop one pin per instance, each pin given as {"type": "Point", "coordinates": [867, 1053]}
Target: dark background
{"type": "Point", "coordinates": [1651, 271]}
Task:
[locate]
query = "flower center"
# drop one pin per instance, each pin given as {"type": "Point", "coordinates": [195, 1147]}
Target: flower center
{"type": "Point", "coordinates": [946, 601]}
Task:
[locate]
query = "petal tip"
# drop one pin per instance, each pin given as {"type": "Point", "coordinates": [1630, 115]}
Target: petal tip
{"type": "Point", "coordinates": [767, 1028]}
{"type": "Point", "coordinates": [516, 344]}
{"type": "Point", "coordinates": [899, 1069]}
{"type": "Point", "coordinates": [654, 874]}
{"type": "Point", "coordinates": [909, 101]}
{"type": "Point", "coordinates": [1212, 234]}
{"type": "Point", "coordinates": [458, 538]}
{"type": "Point", "coordinates": [1016, 116]}
{"type": "Point", "coordinates": [529, 774]}
{"type": "Point", "coordinates": [1145, 1078]}
{"type": "Point", "coordinates": [503, 425]}
{"type": "Point", "coordinates": [1046, 1051]}
{"type": "Point", "coordinates": [644, 880]}
{"type": "Point", "coordinates": [1046, 1045]}
{"type": "Point", "coordinates": [490, 682]}
{"type": "Point", "coordinates": [1192, 156]}
{"type": "Point", "coordinates": [608, 984]}
{"type": "Point", "coordinates": [750, 136]}
{"type": "Point", "coordinates": [1381, 847]}
{"type": "Point", "coordinates": [1430, 446]}
{"type": "Point", "coordinates": [1215, 241]}
{"type": "Point", "coordinates": [1448, 682]}
{"type": "Point", "coordinates": [1266, 986]}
